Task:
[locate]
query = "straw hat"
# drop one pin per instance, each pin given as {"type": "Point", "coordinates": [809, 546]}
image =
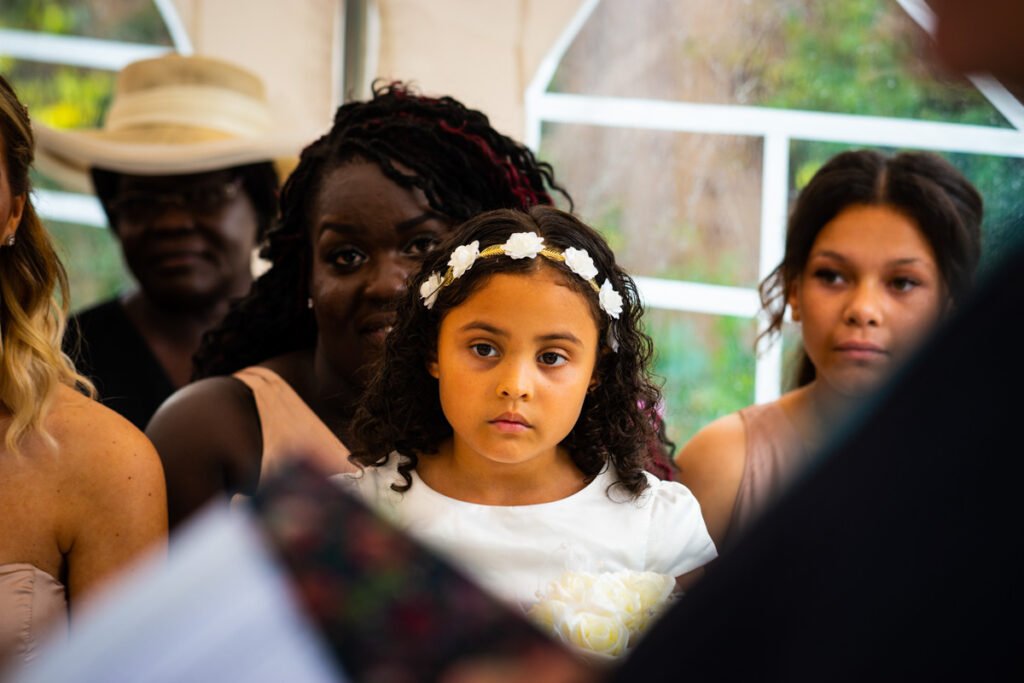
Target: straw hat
{"type": "Point", "coordinates": [169, 115]}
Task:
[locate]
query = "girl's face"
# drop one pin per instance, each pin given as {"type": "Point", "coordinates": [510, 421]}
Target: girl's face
{"type": "Point", "coordinates": [514, 363]}
{"type": "Point", "coordinates": [870, 291]}
{"type": "Point", "coordinates": [368, 235]}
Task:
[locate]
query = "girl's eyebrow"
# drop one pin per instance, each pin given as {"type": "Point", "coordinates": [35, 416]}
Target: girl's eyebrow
{"type": "Point", "coordinates": [485, 327]}
{"type": "Point", "coordinates": [497, 331]}
{"type": "Point", "coordinates": [907, 260]}
{"type": "Point", "coordinates": [560, 336]}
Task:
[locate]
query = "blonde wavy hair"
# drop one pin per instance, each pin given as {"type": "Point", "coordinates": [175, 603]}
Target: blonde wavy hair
{"type": "Point", "coordinates": [32, 318]}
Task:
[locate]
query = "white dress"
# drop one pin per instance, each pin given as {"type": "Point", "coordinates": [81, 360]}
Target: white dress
{"type": "Point", "coordinates": [514, 551]}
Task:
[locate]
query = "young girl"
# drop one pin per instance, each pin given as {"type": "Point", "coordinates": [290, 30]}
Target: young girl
{"type": "Point", "coordinates": [506, 425]}
{"type": "Point", "coordinates": [877, 250]}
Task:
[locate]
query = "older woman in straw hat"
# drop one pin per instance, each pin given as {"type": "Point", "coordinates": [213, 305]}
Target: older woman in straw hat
{"type": "Point", "coordinates": [81, 489]}
{"type": "Point", "coordinates": [183, 168]}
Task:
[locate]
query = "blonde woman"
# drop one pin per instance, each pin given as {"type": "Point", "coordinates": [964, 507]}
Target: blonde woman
{"type": "Point", "coordinates": [81, 489]}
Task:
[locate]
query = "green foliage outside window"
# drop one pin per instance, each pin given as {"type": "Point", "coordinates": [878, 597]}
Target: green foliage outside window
{"type": "Point", "coordinates": [707, 366]}
{"type": "Point", "coordinates": [64, 96]}
{"type": "Point", "coordinates": [862, 57]}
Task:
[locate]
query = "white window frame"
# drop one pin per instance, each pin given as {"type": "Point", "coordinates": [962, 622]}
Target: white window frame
{"type": "Point", "coordinates": [777, 128]}
{"type": "Point", "coordinates": [107, 55]}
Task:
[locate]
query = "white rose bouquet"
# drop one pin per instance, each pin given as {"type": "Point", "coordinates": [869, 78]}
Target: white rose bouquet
{"type": "Point", "coordinates": [602, 613]}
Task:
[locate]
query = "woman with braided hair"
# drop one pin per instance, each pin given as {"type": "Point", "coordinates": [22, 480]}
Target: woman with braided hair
{"type": "Point", "coordinates": [283, 373]}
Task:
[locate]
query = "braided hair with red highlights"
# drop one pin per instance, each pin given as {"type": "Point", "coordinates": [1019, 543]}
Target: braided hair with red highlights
{"type": "Point", "coordinates": [460, 162]}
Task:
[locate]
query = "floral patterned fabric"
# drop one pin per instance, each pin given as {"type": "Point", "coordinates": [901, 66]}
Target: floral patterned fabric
{"type": "Point", "coordinates": [390, 609]}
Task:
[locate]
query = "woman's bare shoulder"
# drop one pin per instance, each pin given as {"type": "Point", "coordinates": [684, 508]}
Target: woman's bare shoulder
{"type": "Point", "coordinates": [83, 425]}
{"type": "Point", "coordinates": [220, 394]}
{"type": "Point", "coordinates": [718, 444]}
{"type": "Point", "coordinates": [216, 415]}
{"type": "Point", "coordinates": [98, 448]}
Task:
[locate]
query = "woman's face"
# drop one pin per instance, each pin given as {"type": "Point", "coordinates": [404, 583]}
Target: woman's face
{"type": "Point", "coordinates": [187, 239]}
{"type": "Point", "coordinates": [369, 235]}
{"type": "Point", "coordinates": [870, 291]}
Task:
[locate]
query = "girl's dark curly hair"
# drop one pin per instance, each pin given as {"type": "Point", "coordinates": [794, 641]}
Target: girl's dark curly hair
{"type": "Point", "coordinates": [400, 410]}
{"type": "Point", "coordinates": [459, 161]}
{"type": "Point", "coordinates": [925, 187]}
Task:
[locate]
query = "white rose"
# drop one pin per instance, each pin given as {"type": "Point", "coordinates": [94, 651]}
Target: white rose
{"type": "Point", "coordinates": [651, 592]}
{"type": "Point", "coordinates": [429, 289]}
{"type": "Point", "coordinates": [523, 245]}
{"type": "Point", "coordinates": [610, 300]}
{"type": "Point", "coordinates": [579, 262]}
{"type": "Point", "coordinates": [610, 595]}
{"type": "Point", "coordinates": [571, 587]}
{"type": "Point", "coordinates": [463, 258]}
{"type": "Point", "coordinates": [549, 614]}
{"type": "Point", "coordinates": [652, 588]}
{"type": "Point", "coordinates": [599, 633]}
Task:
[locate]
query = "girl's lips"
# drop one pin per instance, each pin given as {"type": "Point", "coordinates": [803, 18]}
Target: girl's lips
{"type": "Point", "coordinates": [511, 423]}
{"type": "Point", "coordinates": [861, 351]}
{"type": "Point", "coordinates": [860, 346]}
{"type": "Point", "coordinates": [507, 427]}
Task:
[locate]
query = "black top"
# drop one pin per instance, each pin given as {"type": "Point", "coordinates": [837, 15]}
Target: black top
{"type": "Point", "coordinates": [900, 554]}
{"type": "Point", "coordinates": [114, 355]}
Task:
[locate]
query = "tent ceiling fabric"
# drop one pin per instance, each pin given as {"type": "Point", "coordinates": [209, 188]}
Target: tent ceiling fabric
{"type": "Point", "coordinates": [483, 52]}
{"type": "Point", "coordinates": [292, 45]}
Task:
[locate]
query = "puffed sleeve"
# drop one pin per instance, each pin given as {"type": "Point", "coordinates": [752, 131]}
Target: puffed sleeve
{"type": "Point", "coordinates": [373, 486]}
{"type": "Point", "coordinates": [678, 540]}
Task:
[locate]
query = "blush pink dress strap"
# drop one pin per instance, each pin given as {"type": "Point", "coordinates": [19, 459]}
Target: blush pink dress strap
{"type": "Point", "coordinates": [290, 427]}
{"type": "Point", "coordinates": [775, 453]}
{"type": "Point", "coordinates": [33, 608]}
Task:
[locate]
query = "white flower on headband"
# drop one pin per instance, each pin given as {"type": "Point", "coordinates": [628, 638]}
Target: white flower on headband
{"type": "Point", "coordinates": [463, 258]}
{"type": "Point", "coordinates": [523, 245]}
{"type": "Point", "coordinates": [610, 300]}
{"type": "Point", "coordinates": [429, 289]}
{"type": "Point", "coordinates": [579, 262]}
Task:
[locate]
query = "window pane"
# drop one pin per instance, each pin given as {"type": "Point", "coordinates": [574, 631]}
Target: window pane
{"type": "Point", "coordinates": [707, 363]}
{"type": "Point", "coordinates": [92, 258]}
{"type": "Point", "coordinates": [71, 97]}
{"type": "Point", "coordinates": [672, 205]}
{"type": "Point", "coordinates": [133, 21]}
{"type": "Point", "coordinates": [794, 54]}
{"type": "Point", "coordinates": [60, 96]}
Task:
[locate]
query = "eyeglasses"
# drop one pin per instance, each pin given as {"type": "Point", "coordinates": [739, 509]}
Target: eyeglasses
{"type": "Point", "coordinates": [205, 200]}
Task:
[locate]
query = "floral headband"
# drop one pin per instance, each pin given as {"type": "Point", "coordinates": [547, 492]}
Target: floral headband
{"type": "Point", "coordinates": [523, 245]}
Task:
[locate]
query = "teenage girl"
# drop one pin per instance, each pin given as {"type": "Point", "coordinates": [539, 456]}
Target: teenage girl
{"type": "Point", "coordinates": [877, 250]}
{"type": "Point", "coordinates": [506, 423]}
